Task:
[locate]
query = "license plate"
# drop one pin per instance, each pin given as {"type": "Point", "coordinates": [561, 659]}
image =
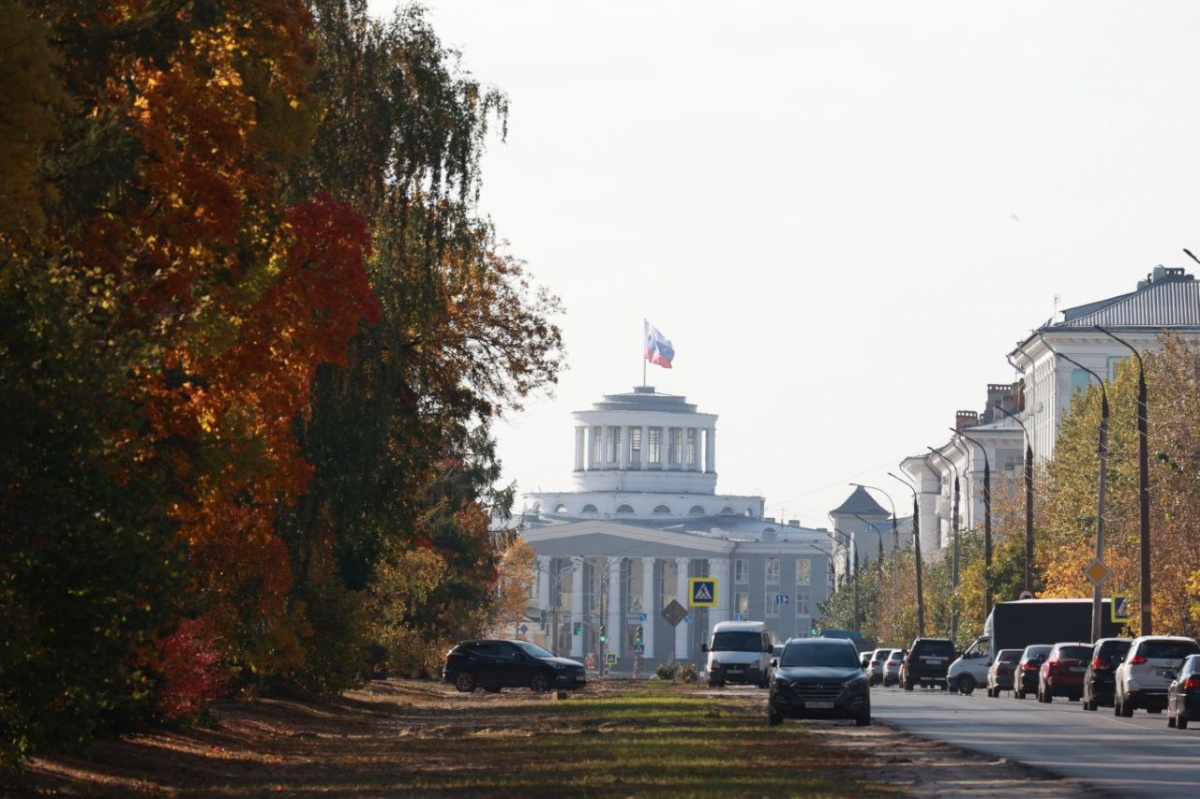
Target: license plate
{"type": "Point", "coordinates": [932, 660]}
{"type": "Point", "coordinates": [819, 705]}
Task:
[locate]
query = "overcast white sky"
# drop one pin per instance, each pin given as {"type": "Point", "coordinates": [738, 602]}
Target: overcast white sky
{"type": "Point", "coordinates": [843, 214]}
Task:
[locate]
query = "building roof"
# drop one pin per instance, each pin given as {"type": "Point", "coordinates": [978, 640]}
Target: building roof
{"type": "Point", "coordinates": [862, 503]}
{"type": "Point", "coordinates": [1168, 298]}
{"type": "Point", "coordinates": [644, 398]}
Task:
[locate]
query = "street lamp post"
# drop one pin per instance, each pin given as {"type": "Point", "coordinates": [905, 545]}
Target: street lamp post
{"type": "Point", "coordinates": [954, 551]}
{"type": "Point", "coordinates": [1028, 497]}
{"type": "Point", "coordinates": [987, 524]}
{"type": "Point", "coordinates": [1102, 453]}
{"type": "Point", "coordinates": [1143, 482]}
{"type": "Point", "coordinates": [916, 555]}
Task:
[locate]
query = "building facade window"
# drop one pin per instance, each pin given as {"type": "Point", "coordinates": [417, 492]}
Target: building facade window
{"type": "Point", "coordinates": [741, 604]}
{"type": "Point", "coordinates": [692, 449]}
{"type": "Point", "coordinates": [597, 445]}
{"type": "Point", "coordinates": [654, 445]}
{"type": "Point", "coordinates": [675, 446]}
{"type": "Point", "coordinates": [772, 571]}
{"type": "Point", "coordinates": [635, 446]}
{"type": "Point", "coordinates": [741, 571]}
{"type": "Point", "coordinates": [771, 603]}
{"type": "Point", "coordinates": [612, 449]}
{"type": "Point", "coordinates": [802, 601]}
{"type": "Point", "coordinates": [803, 571]}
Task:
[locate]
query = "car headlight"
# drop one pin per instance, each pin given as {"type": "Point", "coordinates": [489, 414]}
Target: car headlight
{"type": "Point", "coordinates": [782, 682]}
{"type": "Point", "coordinates": [855, 684]}
{"type": "Point", "coordinates": [560, 666]}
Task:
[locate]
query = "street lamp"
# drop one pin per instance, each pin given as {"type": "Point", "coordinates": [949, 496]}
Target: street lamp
{"type": "Point", "coordinates": [954, 557]}
{"type": "Point", "coordinates": [987, 524]}
{"type": "Point", "coordinates": [916, 554]}
{"type": "Point", "coordinates": [1102, 452]}
{"type": "Point", "coordinates": [1028, 497]}
{"type": "Point", "coordinates": [1143, 482]}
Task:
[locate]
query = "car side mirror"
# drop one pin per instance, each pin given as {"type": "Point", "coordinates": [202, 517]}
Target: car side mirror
{"type": "Point", "coordinates": [703, 647]}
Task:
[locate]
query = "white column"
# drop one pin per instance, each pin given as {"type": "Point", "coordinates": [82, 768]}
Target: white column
{"type": "Point", "coordinates": [616, 611]}
{"type": "Point", "coordinates": [681, 590]}
{"type": "Point", "coordinates": [710, 451]}
{"type": "Point", "coordinates": [580, 448]}
{"type": "Point", "coordinates": [545, 579]}
{"type": "Point", "coordinates": [576, 605]}
{"type": "Point", "coordinates": [719, 569]}
{"type": "Point", "coordinates": [650, 606]}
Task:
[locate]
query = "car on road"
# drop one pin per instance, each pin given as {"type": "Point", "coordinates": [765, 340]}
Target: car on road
{"type": "Point", "coordinates": [1099, 684]}
{"type": "Point", "coordinates": [927, 662]}
{"type": "Point", "coordinates": [864, 658]}
{"type": "Point", "coordinates": [1061, 673]}
{"type": "Point", "coordinates": [739, 652]}
{"type": "Point", "coordinates": [1183, 694]}
{"type": "Point", "coordinates": [1149, 667]}
{"type": "Point", "coordinates": [493, 664]}
{"type": "Point", "coordinates": [891, 667]}
{"type": "Point", "coordinates": [819, 678]}
{"type": "Point", "coordinates": [1025, 680]}
{"type": "Point", "coordinates": [875, 665]}
{"type": "Point", "coordinates": [1000, 673]}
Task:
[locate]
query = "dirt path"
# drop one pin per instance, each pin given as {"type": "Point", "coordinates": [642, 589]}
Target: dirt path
{"type": "Point", "coordinates": [371, 742]}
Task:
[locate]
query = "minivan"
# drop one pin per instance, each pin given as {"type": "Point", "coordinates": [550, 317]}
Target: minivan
{"type": "Point", "coordinates": [739, 652]}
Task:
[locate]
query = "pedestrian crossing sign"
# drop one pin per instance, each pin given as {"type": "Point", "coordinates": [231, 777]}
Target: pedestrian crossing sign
{"type": "Point", "coordinates": [1119, 609]}
{"type": "Point", "coordinates": [703, 592]}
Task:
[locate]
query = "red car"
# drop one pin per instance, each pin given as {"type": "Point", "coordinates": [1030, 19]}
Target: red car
{"type": "Point", "coordinates": [1061, 674]}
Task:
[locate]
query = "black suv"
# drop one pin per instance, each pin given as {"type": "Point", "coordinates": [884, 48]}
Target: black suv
{"type": "Point", "coordinates": [492, 665]}
{"type": "Point", "coordinates": [819, 678]}
{"type": "Point", "coordinates": [927, 662]}
{"type": "Point", "coordinates": [1099, 683]}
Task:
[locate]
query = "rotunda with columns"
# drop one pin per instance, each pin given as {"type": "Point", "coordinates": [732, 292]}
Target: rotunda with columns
{"type": "Point", "coordinates": [644, 553]}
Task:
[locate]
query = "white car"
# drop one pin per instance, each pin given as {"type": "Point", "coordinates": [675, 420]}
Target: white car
{"type": "Point", "coordinates": [1143, 677]}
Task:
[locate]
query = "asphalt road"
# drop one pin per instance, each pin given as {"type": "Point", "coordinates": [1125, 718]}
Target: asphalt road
{"type": "Point", "coordinates": [1139, 756]}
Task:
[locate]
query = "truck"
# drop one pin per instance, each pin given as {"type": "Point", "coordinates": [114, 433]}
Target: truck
{"type": "Point", "coordinates": [1017, 624]}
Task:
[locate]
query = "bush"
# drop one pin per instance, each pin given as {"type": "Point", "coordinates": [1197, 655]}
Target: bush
{"type": "Point", "coordinates": [688, 673]}
{"type": "Point", "coordinates": [666, 671]}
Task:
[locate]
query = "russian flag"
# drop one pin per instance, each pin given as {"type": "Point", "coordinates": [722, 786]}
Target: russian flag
{"type": "Point", "coordinates": [658, 348]}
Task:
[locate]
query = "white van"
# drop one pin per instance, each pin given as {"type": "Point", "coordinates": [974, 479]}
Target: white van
{"type": "Point", "coordinates": [740, 652]}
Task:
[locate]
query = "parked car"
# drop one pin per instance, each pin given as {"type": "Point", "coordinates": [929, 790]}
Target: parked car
{"type": "Point", "coordinates": [1000, 673]}
{"type": "Point", "coordinates": [495, 664]}
{"type": "Point", "coordinates": [1025, 680]}
{"type": "Point", "coordinates": [1149, 667]}
{"type": "Point", "coordinates": [1098, 681]}
{"type": "Point", "coordinates": [927, 661]}
{"type": "Point", "coordinates": [875, 665]}
{"type": "Point", "coordinates": [819, 678]}
{"type": "Point", "coordinates": [891, 667]}
{"type": "Point", "coordinates": [1061, 673]}
{"type": "Point", "coordinates": [1183, 694]}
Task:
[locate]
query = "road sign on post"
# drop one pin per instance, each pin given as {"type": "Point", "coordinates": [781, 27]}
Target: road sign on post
{"type": "Point", "coordinates": [703, 592]}
{"type": "Point", "coordinates": [1119, 609]}
{"type": "Point", "coordinates": [674, 613]}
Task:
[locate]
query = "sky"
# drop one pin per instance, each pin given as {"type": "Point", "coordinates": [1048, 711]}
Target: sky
{"type": "Point", "coordinates": [844, 214]}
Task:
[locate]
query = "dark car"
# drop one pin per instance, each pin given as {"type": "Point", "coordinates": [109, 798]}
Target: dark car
{"type": "Point", "coordinates": [927, 662]}
{"type": "Point", "coordinates": [492, 665]}
{"type": "Point", "coordinates": [1099, 685]}
{"type": "Point", "coordinates": [1183, 695]}
{"type": "Point", "coordinates": [819, 678]}
{"type": "Point", "coordinates": [1025, 681]}
{"type": "Point", "coordinates": [1001, 672]}
{"type": "Point", "coordinates": [1061, 674]}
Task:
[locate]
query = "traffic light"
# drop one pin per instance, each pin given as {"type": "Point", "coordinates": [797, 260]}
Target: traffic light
{"type": "Point", "coordinates": [603, 634]}
{"type": "Point", "coordinates": [578, 628]}
{"type": "Point", "coordinates": [637, 635]}
{"type": "Point", "coordinates": [814, 632]}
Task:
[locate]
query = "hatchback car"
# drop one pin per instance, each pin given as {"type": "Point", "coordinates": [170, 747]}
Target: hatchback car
{"type": "Point", "coordinates": [1183, 695]}
{"type": "Point", "coordinates": [875, 665]}
{"type": "Point", "coordinates": [1000, 673]}
{"type": "Point", "coordinates": [492, 665]}
{"type": "Point", "coordinates": [891, 667]}
{"type": "Point", "coordinates": [1098, 681]}
{"type": "Point", "coordinates": [1025, 680]}
{"type": "Point", "coordinates": [819, 678]}
{"type": "Point", "coordinates": [1149, 667]}
{"type": "Point", "coordinates": [1061, 674]}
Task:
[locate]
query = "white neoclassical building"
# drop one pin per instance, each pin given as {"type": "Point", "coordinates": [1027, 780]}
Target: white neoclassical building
{"type": "Point", "coordinates": [643, 528]}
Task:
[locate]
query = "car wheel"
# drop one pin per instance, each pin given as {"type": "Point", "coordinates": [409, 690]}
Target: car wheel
{"type": "Point", "coordinates": [864, 720]}
{"type": "Point", "coordinates": [1017, 694]}
{"type": "Point", "coordinates": [908, 686]}
{"type": "Point", "coordinates": [540, 683]}
{"type": "Point", "coordinates": [774, 717]}
{"type": "Point", "coordinates": [1181, 722]}
{"type": "Point", "coordinates": [465, 682]}
{"type": "Point", "coordinates": [966, 685]}
{"type": "Point", "coordinates": [1125, 710]}
{"type": "Point", "coordinates": [1089, 705]}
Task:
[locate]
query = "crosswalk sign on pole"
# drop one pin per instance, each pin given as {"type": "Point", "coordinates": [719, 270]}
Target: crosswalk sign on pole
{"type": "Point", "coordinates": [703, 592]}
{"type": "Point", "coordinates": [1119, 609]}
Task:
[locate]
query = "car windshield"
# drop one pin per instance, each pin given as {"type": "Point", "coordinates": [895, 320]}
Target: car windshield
{"type": "Point", "coordinates": [533, 650]}
{"type": "Point", "coordinates": [1075, 652]}
{"type": "Point", "coordinates": [1035, 652]}
{"type": "Point", "coordinates": [937, 648]}
{"type": "Point", "coordinates": [737, 641]}
{"type": "Point", "coordinates": [833, 656]}
{"type": "Point", "coordinates": [1168, 650]}
{"type": "Point", "coordinates": [1009, 655]}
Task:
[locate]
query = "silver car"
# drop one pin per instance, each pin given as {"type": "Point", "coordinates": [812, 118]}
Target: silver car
{"type": "Point", "coordinates": [1143, 677]}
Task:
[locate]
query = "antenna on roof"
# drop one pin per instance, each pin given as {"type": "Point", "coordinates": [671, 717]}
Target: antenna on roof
{"type": "Point", "coordinates": [1189, 255]}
